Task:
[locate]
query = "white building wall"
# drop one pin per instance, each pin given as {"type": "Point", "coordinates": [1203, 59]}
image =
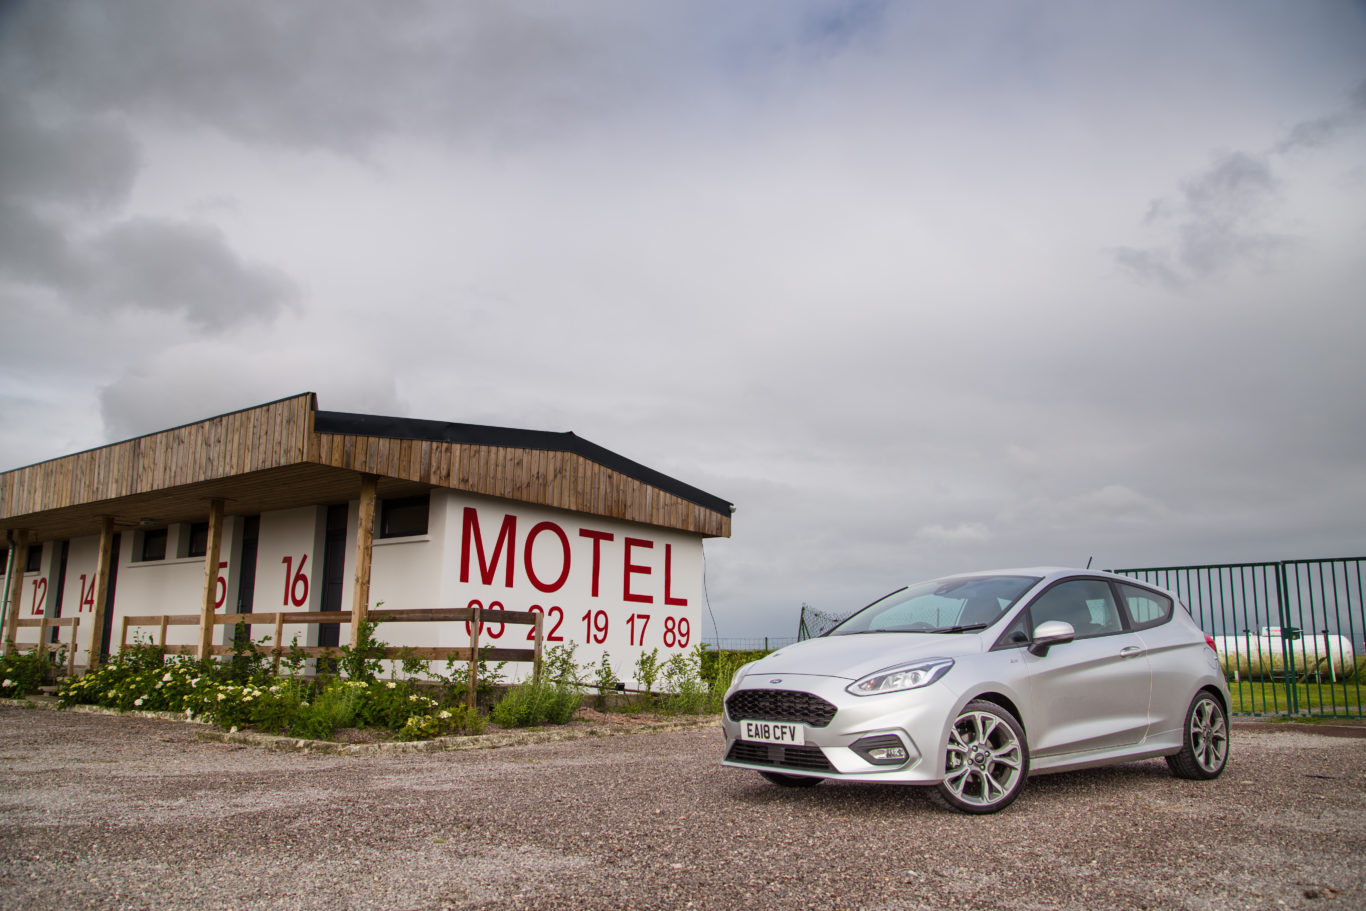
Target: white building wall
{"type": "Point", "coordinates": [573, 568]}
{"type": "Point", "coordinates": [288, 570]}
{"type": "Point", "coordinates": [605, 586]}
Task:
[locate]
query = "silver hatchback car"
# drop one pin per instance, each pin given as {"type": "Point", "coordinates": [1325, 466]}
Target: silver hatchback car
{"type": "Point", "coordinates": [971, 683]}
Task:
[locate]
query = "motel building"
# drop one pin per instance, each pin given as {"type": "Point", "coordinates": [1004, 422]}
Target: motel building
{"type": "Point", "coordinates": [283, 509]}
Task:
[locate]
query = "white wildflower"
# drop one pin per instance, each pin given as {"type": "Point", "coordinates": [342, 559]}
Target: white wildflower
{"type": "Point", "coordinates": [168, 678]}
{"type": "Point", "coordinates": [138, 701]}
{"type": "Point", "coordinates": [391, 685]}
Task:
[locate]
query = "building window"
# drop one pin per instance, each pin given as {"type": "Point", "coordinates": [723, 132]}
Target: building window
{"type": "Point", "coordinates": [4, 560]}
{"type": "Point", "coordinates": [197, 539]}
{"type": "Point", "coordinates": [153, 545]}
{"type": "Point", "coordinates": [35, 559]}
{"type": "Point", "coordinates": [403, 517]}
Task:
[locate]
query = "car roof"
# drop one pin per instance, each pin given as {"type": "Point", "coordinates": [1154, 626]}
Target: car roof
{"type": "Point", "coordinates": [1049, 574]}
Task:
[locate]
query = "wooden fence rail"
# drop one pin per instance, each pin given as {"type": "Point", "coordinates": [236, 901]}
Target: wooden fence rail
{"type": "Point", "coordinates": [44, 623]}
{"type": "Point", "coordinates": [471, 653]}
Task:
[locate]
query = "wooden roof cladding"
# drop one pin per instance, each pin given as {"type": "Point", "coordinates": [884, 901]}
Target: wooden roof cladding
{"type": "Point", "coordinates": [287, 453]}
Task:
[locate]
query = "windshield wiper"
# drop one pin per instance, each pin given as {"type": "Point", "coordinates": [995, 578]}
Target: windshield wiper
{"type": "Point", "coordinates": [960, 629]}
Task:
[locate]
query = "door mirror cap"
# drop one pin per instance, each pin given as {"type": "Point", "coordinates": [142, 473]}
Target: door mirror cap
{"type": "Point", "coordinates": [1050, 633]}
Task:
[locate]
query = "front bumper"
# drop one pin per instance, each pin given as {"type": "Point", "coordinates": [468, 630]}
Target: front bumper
{"type": "Point", "coordinates": [917, 718]}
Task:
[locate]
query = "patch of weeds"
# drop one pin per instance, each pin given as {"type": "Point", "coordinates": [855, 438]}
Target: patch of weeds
{"type": "Point", "coordinates": [533, 703]}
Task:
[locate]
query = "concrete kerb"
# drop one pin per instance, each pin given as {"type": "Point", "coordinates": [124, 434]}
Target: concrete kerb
{"type": "Point", "coordinates": [571, 731]}
{"type": "Point", "coordinates": [446, 744]}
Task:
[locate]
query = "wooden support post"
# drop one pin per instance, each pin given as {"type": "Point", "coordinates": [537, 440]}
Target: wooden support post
{"type": "Point", "coordinates": [161, 639]}
{"type": "Point", "coordinates": [123, 635]}
{"type": "Point", "coordinates": [536, 662]}
{"type": "Point", "coordinates": [365, 537]}
{"type": "Point", "coordinates": [279, 646]}
{"type": "Point", "coordinates": [18, 559]}
{"type": "Point", "coordinates": [215, 543]}
{"type": "Point", "coordinates": [42, 634]}
{"type": "Point", "coordinates": [475, 622]}
{"type": "Point", "coordinates": [102, 565]}
{"type": "Point", "coordinates": [75, 637]}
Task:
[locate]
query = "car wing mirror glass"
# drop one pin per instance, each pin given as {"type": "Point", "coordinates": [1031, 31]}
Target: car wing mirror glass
{"type": "Point", "coordinates": [1050, 633]}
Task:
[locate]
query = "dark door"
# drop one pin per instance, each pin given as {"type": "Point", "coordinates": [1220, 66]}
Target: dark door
{"type": "Point", "coordinates": [246, 567]}
{"type": "Point", "coordinates": [109, 599]}
{"type": "Point", "coordinates": [55, 633]}
{"type": "Point", "coordinates": [334, 572]}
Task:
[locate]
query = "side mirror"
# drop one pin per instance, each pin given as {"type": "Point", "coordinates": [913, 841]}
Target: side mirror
{"type": "Point", "coordinates": [1050, 633]}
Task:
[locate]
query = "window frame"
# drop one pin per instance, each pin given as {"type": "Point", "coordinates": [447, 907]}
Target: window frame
{"type": "Point", "coordinates": [388, 508]}
{"type": "Point", "coordinates": [1152, 595]}
{"type": "Point", "coordinates": [152, 533]}
{"type": "Point", "coordinates": [192, 543]}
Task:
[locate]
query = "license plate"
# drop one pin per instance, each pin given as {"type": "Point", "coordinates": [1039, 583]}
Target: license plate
{"type": "Point", "coordinates": [773, 732]}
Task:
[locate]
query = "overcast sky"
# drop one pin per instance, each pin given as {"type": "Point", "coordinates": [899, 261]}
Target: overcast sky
{"type": "Point", "coordinates": [920, 287]}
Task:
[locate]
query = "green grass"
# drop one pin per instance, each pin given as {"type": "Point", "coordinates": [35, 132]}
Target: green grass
{"type": "Point", "coordinates": [1267, 697]}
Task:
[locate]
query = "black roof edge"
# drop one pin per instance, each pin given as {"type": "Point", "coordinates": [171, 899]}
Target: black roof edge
{"type": "Point", "coordinates": [374, 425]}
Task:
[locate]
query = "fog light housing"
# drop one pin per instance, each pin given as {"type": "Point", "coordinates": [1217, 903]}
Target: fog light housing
{"type": "Point", "coordinates": [883, 749]}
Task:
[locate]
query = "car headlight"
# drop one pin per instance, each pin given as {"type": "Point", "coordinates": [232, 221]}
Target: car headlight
{"type": "Point", "coordinates": [901, 677]}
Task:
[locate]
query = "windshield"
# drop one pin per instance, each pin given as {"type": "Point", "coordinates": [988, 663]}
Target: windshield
{"type": "Point", "coordinates": [954, 605]}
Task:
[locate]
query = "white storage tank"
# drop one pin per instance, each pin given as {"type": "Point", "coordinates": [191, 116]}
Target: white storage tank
{"type": "Point", "coordinates": [1262, 655]}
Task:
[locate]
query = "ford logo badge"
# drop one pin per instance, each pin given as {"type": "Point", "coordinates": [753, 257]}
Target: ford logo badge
{"type": "Point", "coordinates": [776, 680]}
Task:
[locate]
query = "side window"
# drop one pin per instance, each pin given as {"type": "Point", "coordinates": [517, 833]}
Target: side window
{"type": "Point", "coordinates": [1085, 603]}
{"type": "Point", "coordinates": [1146, 608]}
{"type": "Point", "coordinates": [34, 562]}
{"type": "Point", "coordinates": [153, 545]}
{"type": "Point", "coordinates": [401, 518]}
{"type": "Point", "coordinates": [196, 539]}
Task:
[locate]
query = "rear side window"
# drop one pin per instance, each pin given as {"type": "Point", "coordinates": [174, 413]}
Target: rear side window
{"type": "Point", "coordinates": [1146, 608]}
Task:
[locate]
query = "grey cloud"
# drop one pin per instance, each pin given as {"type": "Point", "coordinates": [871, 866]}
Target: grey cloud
{"type": "Point", "coordinates": [191, 381]}
{"type": "Point", "coordinates": [1217, 218]}
{"type": "Point", "coordinates": [69, 168]}
{"type": "Point", "coordinates": [34, 250]}
{"type": "Point", "coordinates": [89, 162]}
{"type": "Point", "coordinates": [336, 74]}
{"type": "Point", "coordinates": [1322, 131]}
{"type": "Point", "coordinates": [153, 264]}
{"type": "Point", "coordinates": [142, 264]}
{"type": "Point", "coordinates": [346, 74]}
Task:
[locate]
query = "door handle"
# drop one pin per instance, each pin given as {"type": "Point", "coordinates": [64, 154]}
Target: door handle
{"type": "Point", "coordinates": [1129, 651]}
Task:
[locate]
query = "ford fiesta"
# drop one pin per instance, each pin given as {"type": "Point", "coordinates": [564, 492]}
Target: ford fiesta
{"type": "Point", "coordinates": [971, 683]}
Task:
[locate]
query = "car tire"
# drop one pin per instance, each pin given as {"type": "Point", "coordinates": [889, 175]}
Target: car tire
{"type": "Point", "coordinates": [1204, 740]}
{"type": "Point", "coordinates": [986, 760]}
{"type": "Point", "coordinates": [791, 781]}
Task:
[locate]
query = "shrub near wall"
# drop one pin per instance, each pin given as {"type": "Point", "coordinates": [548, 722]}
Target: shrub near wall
{"type": "Point", "coordinates": [22, 673]}
{"type": "Point", "coordinates": [242, 693]}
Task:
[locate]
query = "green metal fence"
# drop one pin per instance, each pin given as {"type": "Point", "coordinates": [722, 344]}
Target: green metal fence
{"type": "Point", "coordinates": [1289, 634]}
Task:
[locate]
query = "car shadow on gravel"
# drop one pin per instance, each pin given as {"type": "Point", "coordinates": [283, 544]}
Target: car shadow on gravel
{"type": "Point", "coordinates": [1118, 782]}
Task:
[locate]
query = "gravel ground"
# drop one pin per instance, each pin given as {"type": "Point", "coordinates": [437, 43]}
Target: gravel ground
{"type": "Point", "coordinates": [121, 812]}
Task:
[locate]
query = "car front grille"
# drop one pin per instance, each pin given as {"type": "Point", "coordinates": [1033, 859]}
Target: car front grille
{"type": "Point", "coordinates": [806, 758]}
{"type": "Point", "coordinates": [780, 705]}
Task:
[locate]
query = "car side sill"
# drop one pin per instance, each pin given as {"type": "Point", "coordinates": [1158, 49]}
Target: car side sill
{"type": "Point", "coordinates": [1071, 762]}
